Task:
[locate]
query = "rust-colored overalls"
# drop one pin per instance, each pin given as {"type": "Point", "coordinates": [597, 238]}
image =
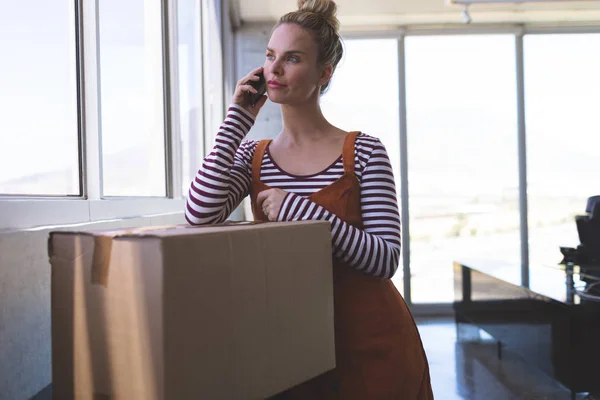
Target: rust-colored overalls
{"type": "Point", "coordinates": [379, 354]}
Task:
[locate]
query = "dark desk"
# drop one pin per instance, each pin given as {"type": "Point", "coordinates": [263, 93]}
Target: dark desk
{"type": "Point", "coordinates": [547, 324]}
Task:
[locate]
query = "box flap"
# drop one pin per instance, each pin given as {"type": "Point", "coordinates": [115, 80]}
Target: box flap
{"type": "Point", "coordinates": [103, 239]}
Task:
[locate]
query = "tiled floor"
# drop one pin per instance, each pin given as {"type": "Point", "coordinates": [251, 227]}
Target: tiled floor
{"type": "Point", "coordinates": [469, 368]}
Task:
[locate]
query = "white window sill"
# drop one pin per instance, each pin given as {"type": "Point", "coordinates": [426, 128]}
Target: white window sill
{"type": "Point", "coordinates": [36, 213]}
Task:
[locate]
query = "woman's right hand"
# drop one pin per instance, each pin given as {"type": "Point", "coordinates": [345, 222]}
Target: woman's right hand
{"type": "Point", "coordinates": [241, 97]}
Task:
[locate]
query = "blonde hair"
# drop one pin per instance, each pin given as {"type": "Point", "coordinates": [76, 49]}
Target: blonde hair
{"type": "Point", "coordinates": [319, 18]}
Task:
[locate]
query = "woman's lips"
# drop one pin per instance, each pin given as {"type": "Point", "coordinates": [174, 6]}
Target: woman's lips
{"type": "Point", "coordinates": [275, 85]}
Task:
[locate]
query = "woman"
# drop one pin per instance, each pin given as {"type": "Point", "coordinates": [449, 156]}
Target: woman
{"type": "Point", "coordinates": [379, 353]}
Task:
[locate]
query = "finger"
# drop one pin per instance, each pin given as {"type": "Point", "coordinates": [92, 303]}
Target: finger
{"type": "Point", "coordinates": [261, 197]}
{"type": "Point", "coordinates": [248, 88]}
{"type": "Point", "coordinates": [246, 80]}
{"type": "Point", "coordinates": [253, 78]}
{"type": "Point", "coordinates": [253, 73]}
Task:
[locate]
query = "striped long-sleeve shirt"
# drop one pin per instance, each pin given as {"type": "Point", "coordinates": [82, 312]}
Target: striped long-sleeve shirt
{"type": "Point", "coordinates": [226, 174]}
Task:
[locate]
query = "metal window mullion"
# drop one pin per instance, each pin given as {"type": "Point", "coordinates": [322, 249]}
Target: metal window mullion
{"type": "Point", "coordinates": [462, 29]}
{"type": "Point", "coordinates": [79, 60]}
{"type": "Point", "coordinates": [361, 34]}
{"type": "Point", "coordinates": [206, 69]}
{"type": "Point", "coordinates": [220, 11]}
{"type": "Point", "coordinates": [172, 131]}
{"type": "Point", "coordinates": [197, 147]}
{"type": "Point", "coordinates": [213, 70]}
{"type": "Point", "coordinates": [230, 26]}
{"type": "Point", "coordinates": [561, 29]}
{"type": "Point", "coordinates": [226, 49]}
{"type": "Point", "coordinates": [404, 169]}
{"type": "Point", "coordinates": [89, 95]}
{"type": "Point", "coordinates": [522, 151]}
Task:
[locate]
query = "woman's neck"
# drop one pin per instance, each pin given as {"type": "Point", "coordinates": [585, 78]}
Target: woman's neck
{"type": "Point", "coordinates": [303, 124]}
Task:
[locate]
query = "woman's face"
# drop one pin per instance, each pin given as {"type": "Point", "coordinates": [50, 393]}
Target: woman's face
{"type": "Point", "coordinates": [291, 69]}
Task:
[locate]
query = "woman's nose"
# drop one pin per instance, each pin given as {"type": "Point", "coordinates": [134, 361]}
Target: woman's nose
{"type": "Point", "coordinates": [276, 67]}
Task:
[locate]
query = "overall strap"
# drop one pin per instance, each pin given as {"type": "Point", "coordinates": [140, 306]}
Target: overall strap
{"type": "Point", "coordinates": [348, 152]}
{"type": "Point", "coordinates": [259, 153]}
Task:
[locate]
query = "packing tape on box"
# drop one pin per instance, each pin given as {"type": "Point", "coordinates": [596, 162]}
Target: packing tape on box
{"type": "Point", "coordinates": [103, 245]}
{"type": "Point", "coordinates": [101, 259]}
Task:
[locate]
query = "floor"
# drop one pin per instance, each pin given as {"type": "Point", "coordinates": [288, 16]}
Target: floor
{"type": "Point", "coordinates": [470, 369]}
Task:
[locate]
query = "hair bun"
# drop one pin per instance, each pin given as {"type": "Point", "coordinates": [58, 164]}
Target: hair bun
{"type": "Point", "coordinates": [327, 9]}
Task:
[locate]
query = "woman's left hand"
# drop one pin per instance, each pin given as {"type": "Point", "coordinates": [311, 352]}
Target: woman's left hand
{"type": "Point", "coordinates": [271, 201]}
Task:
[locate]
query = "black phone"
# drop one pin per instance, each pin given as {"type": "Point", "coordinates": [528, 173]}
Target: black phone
{"type": "Point", "coordinates": [260, 86]}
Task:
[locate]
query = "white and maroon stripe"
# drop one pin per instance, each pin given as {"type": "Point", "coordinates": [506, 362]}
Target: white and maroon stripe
{"type": "Point", "coordinates": [375, 249]}
{"type": "Point", "coordinates": [225, 176]}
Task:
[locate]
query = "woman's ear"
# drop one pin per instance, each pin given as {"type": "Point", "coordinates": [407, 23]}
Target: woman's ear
{"type": "Point", "coordinates": [326, 74]}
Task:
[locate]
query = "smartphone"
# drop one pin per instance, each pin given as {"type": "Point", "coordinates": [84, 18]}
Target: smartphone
{"type": "Point", "coordinates": [260, 86]}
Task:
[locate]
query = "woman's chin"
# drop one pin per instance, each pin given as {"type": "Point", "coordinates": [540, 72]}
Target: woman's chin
{"type": "Point", "coordinates": [279, 99]}
{"type": "Point", "coordinates": [286, 100]}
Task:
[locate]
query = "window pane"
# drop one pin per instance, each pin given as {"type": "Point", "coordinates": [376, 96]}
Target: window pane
{"type": "Point", "coordinates": [39, 148]}
{"type": "Point", "coordinates": [190, 88]}
{"type": "Point", "coordinates": [131, 84]}
{"type": "Point", "coordinates": [213, 50]}
{"type": "Point", "coordinates": [462, 156]}
{"type": "Point", "coordinates": [357, 102]}
{"type": "Point", "coordinates": [562, 94]}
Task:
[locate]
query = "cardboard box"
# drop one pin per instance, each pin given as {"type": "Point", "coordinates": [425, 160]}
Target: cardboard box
{"type": "Point", "coordinates": [218, 312]}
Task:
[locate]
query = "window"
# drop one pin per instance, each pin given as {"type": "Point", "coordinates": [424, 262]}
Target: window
{"type": "Point", "coordinates": [117, 149]}
{"type": "Point", "coordinates": [132, 101]}
{"type": "Point", "coordinates": [39, 146]}
{"type": "Point", "coordinates": [190, 88]}
{"type": "Point", "coordinates": [363, 96]}
{"type": "Point", "coordinates": [562, 93]}
{"type": "Point", "coordinates": [462, 156]}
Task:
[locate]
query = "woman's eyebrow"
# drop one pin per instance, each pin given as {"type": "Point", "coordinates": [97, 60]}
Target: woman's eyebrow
{"type": "Point", "coordinates": [287, 52]}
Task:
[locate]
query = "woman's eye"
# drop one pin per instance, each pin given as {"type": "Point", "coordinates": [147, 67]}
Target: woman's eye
{"type": "Point", "coordinates": [269, 56]}
{"type": "Point", "coordinates": [293, 59]}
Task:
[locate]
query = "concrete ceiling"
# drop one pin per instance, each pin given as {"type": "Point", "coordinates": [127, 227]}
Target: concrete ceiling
{"type": "Point", "coordinates": [385, 14]}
